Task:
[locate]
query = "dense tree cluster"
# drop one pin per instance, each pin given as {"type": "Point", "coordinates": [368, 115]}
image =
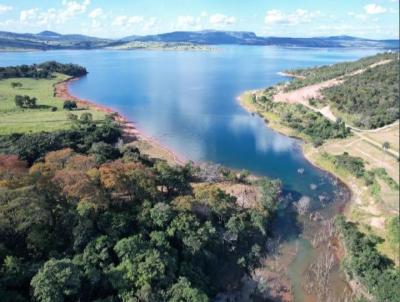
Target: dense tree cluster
{"type": "Point", "coordinates": [25, 101]}
{"type": "Point", "coordinates": [84, 134]}
{"type": "Point", "coordinates": [298, 117]}
{"type": "Point", "coordinates": [83, 221]}
{"type": "Point", "coordinates": [371, 97]}
{"type": "Point", "coordinates": [41, 71]}
{"type": "Point", "coordinates": [309, 76]}
{"type": "Point", "coordinates": [365, 264]}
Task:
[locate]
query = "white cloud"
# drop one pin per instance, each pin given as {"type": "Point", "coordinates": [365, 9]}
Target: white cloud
{"type": "Point", "coordinates": [36, 16]}
{"type": "Point", "coordinates": [186, 21]}
{"type": "Point", "coordinates": [126, 21]}
{"type": "Point", "coordinates": [221, 20]}
{"type": "Point", "coordinates": [357, 16]}
{"type": "Point", "coordinates": [299, 16]}
{"type": "Point", "coordinates": [274, 16]}
{"type": "Point", "coordinates": [96, 13]}
{"type": "Point", "coordinates": [71, 9]}
{"type": "Point", "coordinates": [150, 23]}
{"type": "Point", "coordinates": [5, 8]}
{"type": "Point", "coordinates": [373, 9]}
{"type": "Point", "coordinates": [27, 15]}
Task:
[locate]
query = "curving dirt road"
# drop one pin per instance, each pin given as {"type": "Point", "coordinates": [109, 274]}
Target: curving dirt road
{"type": "Point", "coordinates": [304, 94]}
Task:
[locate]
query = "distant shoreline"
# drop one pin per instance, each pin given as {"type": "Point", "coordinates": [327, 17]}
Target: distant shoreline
{"type": "Point", "coordinates": [130, 132]}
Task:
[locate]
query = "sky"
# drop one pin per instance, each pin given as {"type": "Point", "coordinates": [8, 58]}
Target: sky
{"type": "Point", "coordinates": [377, 19]}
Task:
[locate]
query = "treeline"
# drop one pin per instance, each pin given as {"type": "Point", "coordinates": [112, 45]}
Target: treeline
{"type": "Point", "coordinates": [327, 72]}
{"type": "Point", "coordinates": [298, 117]}
{"type": "Point", "coordinates": [372, 97]}
{"type": "Point", "coordinates": [41, 71]}
{"type": "Point", "coordinates": [365, 264]}
{"type": "Point", "coordinates": [82, 220]}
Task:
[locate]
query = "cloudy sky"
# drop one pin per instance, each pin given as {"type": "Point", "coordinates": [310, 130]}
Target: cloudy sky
{"type": "Point", "coordinates": [297, 18]}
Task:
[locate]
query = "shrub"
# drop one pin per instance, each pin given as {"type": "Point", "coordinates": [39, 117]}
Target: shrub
{"type": "Point", "coordinates": [25, 101]}
{"type": "Point", "coordinates": [69, 105]}
{"type": "Point", "coordinates": [16, 84]}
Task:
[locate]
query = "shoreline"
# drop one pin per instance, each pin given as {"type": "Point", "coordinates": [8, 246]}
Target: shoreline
{"type": "Point", "coordinates": [307, 149]}
{"type": "Point", "coordinates": [310, 154]}
{"type": "Point", "coordinates": [131, 133]}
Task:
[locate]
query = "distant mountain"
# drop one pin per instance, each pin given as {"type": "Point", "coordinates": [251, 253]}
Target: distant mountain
{"type": "Point", "coordinates": [47, 40]}
{"type": "Point", "coordinates": [205, 37]}
{"type": "Point", "coordinates": [249, 38]}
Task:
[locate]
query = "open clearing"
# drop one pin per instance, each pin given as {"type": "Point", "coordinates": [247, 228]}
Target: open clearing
{"type": "Point", "coordinates": [21, 120]}
{"type": "Point", "coordinates": [390, 135]}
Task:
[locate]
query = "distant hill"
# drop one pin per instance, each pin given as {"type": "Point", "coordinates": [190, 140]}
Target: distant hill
{"type": "Point", "coordinates": [249, 38]}
{"type": "Point", "coordinates": [47, 40]}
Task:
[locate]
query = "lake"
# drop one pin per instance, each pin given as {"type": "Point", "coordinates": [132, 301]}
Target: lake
{"type": "Point", "coordinates": [188, 102]}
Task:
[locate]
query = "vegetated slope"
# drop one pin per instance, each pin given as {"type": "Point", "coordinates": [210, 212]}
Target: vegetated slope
{"type": "Point", "coordinates": [364, 263]}
{"type": "Point", "coordinates": [371, 98]}
{"type": "Point", "coordinates": [83, 220]}
{"type": "Point", "coordinates": [319, 74]}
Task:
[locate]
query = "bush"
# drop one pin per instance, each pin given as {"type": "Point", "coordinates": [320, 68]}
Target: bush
{"type": "Point", "coordinates": [25, 101]}
{"type": "Point", "coordinates": [16, 84]}
{"type": "Point", "coordinates": [69, 105]}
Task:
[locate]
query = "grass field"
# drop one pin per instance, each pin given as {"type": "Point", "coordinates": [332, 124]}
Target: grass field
{"type": "Point", "coordinates": [390, 135]}
{"type": "Point", "coordinates": [21, 120]}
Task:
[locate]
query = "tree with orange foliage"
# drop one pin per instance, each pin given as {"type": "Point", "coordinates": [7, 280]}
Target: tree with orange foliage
{"type": "Point", "coordinates": [13, 171]}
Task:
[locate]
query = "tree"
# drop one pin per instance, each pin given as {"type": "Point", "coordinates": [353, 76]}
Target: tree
{"type": "Point", "coordinates": [19, 101]}
{"type": "Point", "coordinates": [104, 152]}
{"type": "Point", "coordinates": [69, 105]}
{"type": "Point", "coordinates": [16, 84]}
{"type": "Point", "coordinates": [182, 291]}
{"type": "Point", "coordinates": [25, 101]}
{"type": "Point", "coordinates": [386, 145]}
{"type": "Point", "coordinates": [56, 281]}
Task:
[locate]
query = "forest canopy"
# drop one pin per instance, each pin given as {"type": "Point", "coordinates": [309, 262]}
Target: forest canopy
{"type": "Point", "coordinates": [82, 220]}
{"type": "Point", "coordinates": [371, 98]}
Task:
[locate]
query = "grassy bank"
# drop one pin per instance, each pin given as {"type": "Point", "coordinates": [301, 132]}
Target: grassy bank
{"type": "Point", "coordinates": [48, 115]}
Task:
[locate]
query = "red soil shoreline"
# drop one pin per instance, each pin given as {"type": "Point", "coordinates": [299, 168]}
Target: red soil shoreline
{"type": "Point", "coordinates": [130, 131]}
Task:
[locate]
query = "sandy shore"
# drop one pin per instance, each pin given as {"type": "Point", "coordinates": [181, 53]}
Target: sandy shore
{"type": "Point", "coordinates": [131, 134]}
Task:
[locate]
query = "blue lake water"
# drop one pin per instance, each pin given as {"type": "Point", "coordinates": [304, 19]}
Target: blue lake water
{"type": "Point", "coordinates": [187, 101]}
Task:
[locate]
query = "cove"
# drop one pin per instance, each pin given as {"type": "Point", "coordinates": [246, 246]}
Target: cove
{"type": "Point", "coordinates": [187, 101]}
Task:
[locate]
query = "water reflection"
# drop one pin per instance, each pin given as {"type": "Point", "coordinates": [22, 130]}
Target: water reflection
{"type": "Point", "coordinates": [264, 140]}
